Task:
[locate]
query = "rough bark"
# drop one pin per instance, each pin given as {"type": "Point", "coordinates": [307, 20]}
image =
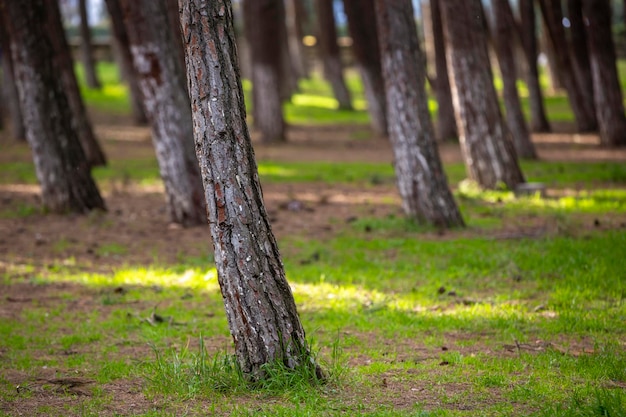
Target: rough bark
{"type": "Point", "coordinates": [263, 27]}
{"type": "Point", "coordinates": [361, 16]}
{"type": "Point", "coordinates": [166, 101]}
{"type": "Point", "coordinates": [63, 60]}
{"type": "Point", "coordinates": [9, 89]}
{"type": "Point", "coordinates": [486, 144]}
{"type": "Point", "coordinates": [581, 106]}
{"type": "Point", "coordinates": [259, 305]}
{"type": "Point", "coordinates": [579, 51]}
{"type": "Point", "coordinates": [538, 120]}
{"type": "Point", "coordinates": [504, 27]}
{"type": "Point", "coordinates": [606, 87]}
{"type": "Point", "coordinates": [446, 124]}
{"type": "Point", "coordinates": [421, 180]}
{"type": "Point", "coordinates": [126, 61]}
{"type": "Point", "coordinates": [60, 163]}
{"type": "Point", "coordinates": [330, 54]}
{"type": "Point", "coordinates": [89, 65]}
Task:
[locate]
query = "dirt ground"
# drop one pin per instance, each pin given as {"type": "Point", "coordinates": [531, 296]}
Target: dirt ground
{"type": "Point", "coordinates": [136, 218]}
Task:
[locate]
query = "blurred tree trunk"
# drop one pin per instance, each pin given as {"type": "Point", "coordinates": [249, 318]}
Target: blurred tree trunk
{"type": "Point", "coordinates": [606, 87]}
{"type": "Point", "coordinates": [504, 32]}
{"type": "Point", "coordinates": [163, 85]}
{"type": "Point", "coordinates": [293, 14]}
{"type": "Point", "coordinates": [60, 163]}
{"type": "Point", "coordinates": [259, 305]}
{"type": "Point", "coordinates": [579, 51]}
{"type": "Point", "coordinates": [421, 180]}
{"type": "Point", "coordinates": [538, 120]}
{"type": "Point", "coordinates": [581, 105]}
{"type": "Point", "coordinates": [174, 24]}
{"type": "Point", "coordinates": [126, 61]}
{"type": "Point", "coordinates": [263, 27]}
{"type": "Point", "coordinates": [361, 16]}
{"type": "Point", "coordinates": [486, 143]}
{"type": "Point", "coordinates": [330, 53]}
{"type": "Point", "coordinates": [63, 60]}
{"type": "Point", "coordinates": [9, 89]}
{"type": "Point", "coordinates": [446, 124]}
{"type": "Point", "coordinates": [86, 47]}
{"type": "Point", "coordinates": [289, 71]}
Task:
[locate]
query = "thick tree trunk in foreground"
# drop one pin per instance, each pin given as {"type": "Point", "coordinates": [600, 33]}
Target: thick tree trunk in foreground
{"type": "Point", "coordinates": [126, 60]}
{"type": "Point", "coordinates": [606, 86]}
{"type": "Point", "coordinates": [504, 25]}
{"type": "Point", "coordinates": [538, 119]}
{"type": "Point", "coordinates": [9, 88]}
{"type": "Point", "coordinates": [263, 27]}
{"type": "Point", "coordinates": [486, 144]}
{"type": "Point", "coordinates": [581, 105]}
{"type": "Point", "coordinates": [63, 60]}
{"type": "Point", "coordinates": [421, 180]}
{"type": "Point", "coordinates": [86, 47]}
{"type": "Point", "coordinates": [259, 305]}
{"type": "Point", "coordinates": [330, 54]}
{"type": "Point", "coordinates": [446, 123]}
{"type": "Point", "coordinates": [162, 82]}
{"type": "Point", "coordinates": [361, 16]}
{"type": "Point", "coordinates": [60, 163]}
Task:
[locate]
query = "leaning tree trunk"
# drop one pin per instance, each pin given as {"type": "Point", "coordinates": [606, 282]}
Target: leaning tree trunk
{"type": "Point", "coordinates": [259, 304]}
{"type": "Point", "coordinates": [538, 119]}
{"type": "Point", "coordinates": [63, 60]}
{"type": "Point", "coordinates": [60, 163]}
{"type": "Point", "coordinates": [162, 83]}
{"type": "Point", "coordinates": [446, 124]}
{"type": "Point", "coordinates": [9, 89]}
{"type": "Point", "coordinates": [421, 180]}
{"type": "Point", "coordinates": [86, 47]}
{"type": "Point", "coordinates": [126, 61]}
{"type": "Point", "coordinates": [606, 86]}
{"type": "Point", "coordinates": [579, 51]}
{"type": "Point", "coordinates": [361, 16]}
{"type": "Point", "coordinates": [581, 106]}
{"type": "Point", "coordinates": [504, 25]}
{"type": "Point", "coordinates": [330, 54]}
{"type": "Point", "coordinates": [263, 27]}
{"type": "Point", "coordinates": [486, 144]}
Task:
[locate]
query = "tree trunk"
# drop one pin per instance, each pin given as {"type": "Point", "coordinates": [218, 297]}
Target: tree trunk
{"type": "Point", "coordinates": [606, 86]}
{"type": "Point", "coordinates": [504, 25]}
{"type": "Point", "coordinates": [421, 180]}
{"type": "Point", "coordinates": [446, 124]}
{"type": "Point", "coordinates": [9, 89]}
{"type": "Point", "coordinates": [60, 163]}
{"type": "Point", "coordinates": [259, 304]}
{"type": "Point", "coordinates": [294, 37]}
{"type": "Point", "coordinates": [162, 82]}
{"type": "Point", "coordinates": [581, 106]}
{"type": "Point", "coordinates": [126, 61]}
{"type": "Point", "coordinates": [579, 51]}
{"type": "Point", "coordinates": [263, 27]}
{"type": "Point", "coordinates": [538, 119]}
{"type": "Point", "coordinates": [486, 144]}
{"type": "Point", "coordinates": [361, 16]}
{"type": "Point", "coordinates": [86, 47]}
{"type": "Point", "coordinates": [330, 54]}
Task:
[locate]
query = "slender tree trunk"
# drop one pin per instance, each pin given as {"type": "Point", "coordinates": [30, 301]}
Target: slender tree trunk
{"type": "Point", "coordinates": [263, 28]}
{"type": "Point", "coordinates": [162, 82]}
{"type": "Point", "coordinates": [126, 61]}
{"type": "Point", "coordinates": [554, 77]}
{"type": "Point", "coordinates": [289, 71]}
{"type": "Point", "coordinates": [504, 25]}
{"type": "Point", "coordinates": [579, 51]}
{"type": "Point", "coordinates": [538, 119]}
{"type": "Point", "coordinates": [9, 89]}
{"type": "Point", "coordinates": [446, 124]}
{"type": "Point", "coordinates": [63, 60]}
{"type": "Point", "coordinates": [581, 106]}
{"type": "Point", "coordinates": [60, 163]}
{"type": "Point", "coordinates": [330, 54]}
{"type": "Point", "coordinates": [606, 87]}
{"type": "Point", "coordinates": [259, 304]}
{"type": "Point", "coordinates": [87, 48]}
{"type": "Point", "coordinates": [486, 144]}
{"type": "Point", "coordinates": [361, 16]}
{"type": "Point", "coordinates": [421, 180]}
{"type": "Point", "coordinates": [294, 37]}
